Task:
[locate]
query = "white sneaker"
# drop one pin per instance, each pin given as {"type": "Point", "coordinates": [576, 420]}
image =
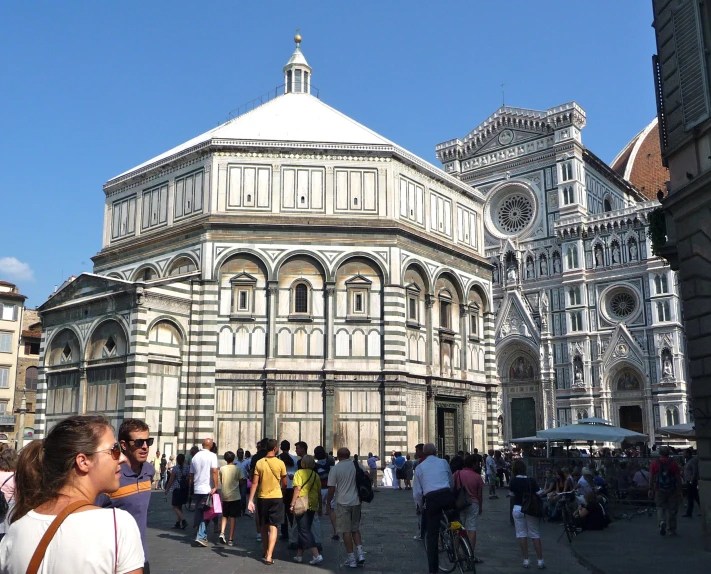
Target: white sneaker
{"type": "Point", "coordinates": [526, 563]}
{"type": "Point", "coordinates": [298, 559]}
{"type": "Point", "coordinates": [259, 537]}
{"type": "Point", "coordinates": [316, 561]}
{"type": "Point", "coordinates": [541, 565]}
{"type": "Point", "coordinates": [351, 563]}
{"type": "Point", "coordinates": [360, 558]}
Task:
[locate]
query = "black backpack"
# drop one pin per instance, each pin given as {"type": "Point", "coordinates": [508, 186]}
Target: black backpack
{"type": "Point", "coordinates": [363, 484]}
{"type": "Point", "coordinates": [184, 483]}
{"type": "Point", "coordinates": [665, 479]}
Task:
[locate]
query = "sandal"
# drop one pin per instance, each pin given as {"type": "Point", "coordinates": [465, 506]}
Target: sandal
{"type": "Point", "coordinates": [267, 562]}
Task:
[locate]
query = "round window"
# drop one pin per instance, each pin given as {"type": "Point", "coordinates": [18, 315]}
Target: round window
{"type": "Point", "coordinates": [514, 214]}
{"type": "Point", "coordinates": [621, 304]}
{"type": "Point", "coordinates": [510, 210]}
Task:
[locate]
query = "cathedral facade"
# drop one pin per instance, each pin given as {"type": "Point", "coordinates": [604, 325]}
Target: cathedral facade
{"type": "Point", "coordinates": [289, 274]}
{"type": "Point", "coordinates": [587, 319]}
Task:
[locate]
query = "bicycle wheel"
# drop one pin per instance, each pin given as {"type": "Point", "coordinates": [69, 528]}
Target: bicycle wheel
{"type": "Point", "coordinates": [465, 555]}
{"type": "Point", "coordinates": [447, 551]}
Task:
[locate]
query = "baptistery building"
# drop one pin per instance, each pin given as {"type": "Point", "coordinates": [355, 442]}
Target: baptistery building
{"type": "Point", "coordinates": [293, 274]}
{"type": "Point", "coordinates": [587, 319]}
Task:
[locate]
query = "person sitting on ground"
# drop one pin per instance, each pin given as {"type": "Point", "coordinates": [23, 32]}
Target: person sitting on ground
{"type": "Point", "coordinates": [640, 480]}
{"type": "Point", "coordinates": [599, 483]}
{"type": "Point", "coordinates": [590, 515]}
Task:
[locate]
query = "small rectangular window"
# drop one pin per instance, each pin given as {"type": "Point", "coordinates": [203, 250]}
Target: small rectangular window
{"type": "Point", "coordinates": [4, 377]}
{"type": "Point", "coordinates": [3, 407]}
{"type": "Point", "coordinates": [243, 300]}
{"type": "Point", "coordinates": [412, 310]}
{"type": "Point", "coordinates": [297, 82]}
{"type": "Point", "coordinates": [5, 342]}
{"type": "Point", "coordinates": [473, 324]}
{"type": "Point", "coordinates": [9, 312]}
{"type": "Point", "coordinates": [358, 303]}
{"type": "Point", "coordinates": [445, 314]}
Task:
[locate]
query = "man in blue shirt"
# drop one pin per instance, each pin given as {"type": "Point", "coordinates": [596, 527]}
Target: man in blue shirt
{"type": "Point", "coordinates": [432, 490]}
{"type": "Point", "coordinates": [134, 493]}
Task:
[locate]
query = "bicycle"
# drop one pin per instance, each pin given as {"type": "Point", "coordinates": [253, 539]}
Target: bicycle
{"type": "Point", "coordinates": [570, 529]}
{"type": "Point", "coordinates": [453, 545]}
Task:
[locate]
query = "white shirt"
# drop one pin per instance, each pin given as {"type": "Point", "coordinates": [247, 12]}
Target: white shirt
{"type": "Point", "coordinates": [490, 465]}
{"type": "Point", "coordinates": [431, 474]}
{"type": "Point", "coordinates": [343, 477]}
{"type": "Point", "coordinates": [83, 543]}
{"type": "Point", "coordinates": [200, 468]}
{"type": "Point", "coordinates": [291, 471]}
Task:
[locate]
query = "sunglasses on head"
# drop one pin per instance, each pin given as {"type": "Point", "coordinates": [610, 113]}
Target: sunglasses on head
{"type": "Point", "coordinates": [114, 450]}
{"type": "Point", "coordinates": [139, 442]}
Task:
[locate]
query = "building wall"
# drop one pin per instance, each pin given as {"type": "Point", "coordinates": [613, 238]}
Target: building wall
{"type": "Point", "coordinates": [11, 310]}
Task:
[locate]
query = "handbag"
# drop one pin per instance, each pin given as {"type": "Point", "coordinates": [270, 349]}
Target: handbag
{"type": "Point", "coordinates": [215, 508]}
{"type": "Point", "coordinates": [531, 505]}
{"type": "Point", "coordinates": [301, 505]}
{"type": "Point", "coordinates": [461, 498]}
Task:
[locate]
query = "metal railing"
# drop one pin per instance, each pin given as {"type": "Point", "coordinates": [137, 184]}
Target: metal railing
{"type": "Point", "coordinates": [263, 99]}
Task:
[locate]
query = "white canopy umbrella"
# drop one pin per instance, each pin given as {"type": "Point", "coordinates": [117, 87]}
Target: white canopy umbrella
{"type": "Point", "coordinates": [685, 430]}
{"type": "Point", "coordinates": [592, 432]}
{"type": "Point", "coordinates": [527, 439]}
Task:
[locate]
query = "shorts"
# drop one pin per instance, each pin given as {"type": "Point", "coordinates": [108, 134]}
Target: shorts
{"type": "Point", "coordinates": [347, 518]}
{"type": "Point", "coordinates": [231, 508]}
{"type": "Point", "coordinates": [400, 474]}
{"type": "Point", "coordinates": [470, 517]}
{"type": "Point", "coordinates": [180, 497]}
{"type": "Point", "coordinates": [526, 526]}
{"type": "Point", "coordinates": [271, 511]}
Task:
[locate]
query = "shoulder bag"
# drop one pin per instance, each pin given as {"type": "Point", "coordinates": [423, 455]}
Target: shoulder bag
{"type": "Point", "coordinates": [41, 549]}
{"type": "Point", "coordinates": [301, 505]}
{"type": "Point", "coordinates": [461, 496]}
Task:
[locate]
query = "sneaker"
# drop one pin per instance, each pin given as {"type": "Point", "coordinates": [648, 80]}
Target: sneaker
{"type": "Point", "coordinates": [335, 537]}
{"type": "Point", "coordinates": [298, 559]}
{"type": "Point", "coordinates": [177, 526]}
{"type": "Point", "coordinates": [541, 565]}
{"type": "Point", "coordinates": [417, 537]}
{"type": "Point", "coordinates": [230, 543]}
{"type": "Point", "coordinates": [259, 537]}
{"type": "Point", "coordinates": [526, 563]}
{"type": "Point", "coordinates": [184, 524]}
{"type": "Point", "coordinates": [201, 542]}
{"type": "Point", "coordinates": [351, 563]}
{"type": "Point", "coordinates": [360, 559]}
{"type": "Point", "coordinates": [663, 528]}
{"type": "Point", "coordinates": [316, 561]}
{"type": "Point", "coordinates": [222, 538]}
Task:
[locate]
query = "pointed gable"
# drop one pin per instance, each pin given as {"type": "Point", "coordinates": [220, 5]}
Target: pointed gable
{"type": "Point", "coordinates": [515, 320]}
{"type": "Point", "coordinates": [622, 347]}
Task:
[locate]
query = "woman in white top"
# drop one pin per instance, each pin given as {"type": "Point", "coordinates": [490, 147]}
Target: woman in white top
{"type": "Point", "coordinates": [78, 460]}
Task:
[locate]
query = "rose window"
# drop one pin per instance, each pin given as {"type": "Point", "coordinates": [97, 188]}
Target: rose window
{"type": "Point", "coordinates": [514, 213]}
{"type": "Point", "coordinates": [623, 304]}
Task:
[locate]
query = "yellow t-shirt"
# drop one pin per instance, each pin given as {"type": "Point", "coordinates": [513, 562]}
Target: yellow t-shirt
{"type": "Point", "coordinates": [270, 471]}
{"type": "Point", "coordinates": [230, 475]}
{"type": "Point", "coordinates": [310, 485]}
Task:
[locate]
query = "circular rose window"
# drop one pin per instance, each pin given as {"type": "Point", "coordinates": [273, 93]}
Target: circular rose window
{"type": "Point", "coordinates": [514, 213]}
{"type": "Point", "coordinates": [622, 305]}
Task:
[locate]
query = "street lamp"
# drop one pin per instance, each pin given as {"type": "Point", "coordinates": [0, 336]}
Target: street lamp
{"type": "Point", "coordinates": [19, 442]}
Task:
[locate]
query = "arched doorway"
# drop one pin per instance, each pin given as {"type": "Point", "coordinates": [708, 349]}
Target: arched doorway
{"type": "Point", "coordinates": [626, 384]}
{"type": "Point", "coordinates": [519, 373]}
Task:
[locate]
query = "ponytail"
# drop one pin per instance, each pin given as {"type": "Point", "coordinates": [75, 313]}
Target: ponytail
{"type": "Point", "coordinates": [45, 466]}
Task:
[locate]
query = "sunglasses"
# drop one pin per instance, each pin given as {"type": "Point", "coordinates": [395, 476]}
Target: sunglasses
{"type": "Point", "coordinates": [139, 442]}
{"type": "Point", "coordinates": [114, 450]}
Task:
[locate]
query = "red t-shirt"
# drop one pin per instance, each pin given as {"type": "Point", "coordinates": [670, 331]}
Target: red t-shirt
{"type": "Point", "coordinates": [655, 467]}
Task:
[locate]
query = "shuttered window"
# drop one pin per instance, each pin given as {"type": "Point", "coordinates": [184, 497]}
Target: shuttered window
{"type": "Point", "coordinates": [691, 64]}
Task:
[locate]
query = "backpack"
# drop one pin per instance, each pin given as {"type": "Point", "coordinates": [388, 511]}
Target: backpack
{"type": "Point", "coordinates": [531, 504]}
{"type": "Point", "coordinates": [4, 504]}
{"type": "Point", "coordinates": [665, 479]}
{"type": "Point", "coordinates": [363, 484]}
{"type": "Point", "coordinates": [184, 483]}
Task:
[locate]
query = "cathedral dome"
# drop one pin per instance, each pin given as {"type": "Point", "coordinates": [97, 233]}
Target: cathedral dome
{"type": "Point", "coordinates": [640, 162]}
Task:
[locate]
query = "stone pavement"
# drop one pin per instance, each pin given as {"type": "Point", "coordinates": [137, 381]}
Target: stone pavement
{"type": "Point", "coordinates": [389, 524]}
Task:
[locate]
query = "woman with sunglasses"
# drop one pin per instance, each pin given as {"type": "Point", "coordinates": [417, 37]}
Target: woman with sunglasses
{"type": "Point", "coordinates": [60, 477]}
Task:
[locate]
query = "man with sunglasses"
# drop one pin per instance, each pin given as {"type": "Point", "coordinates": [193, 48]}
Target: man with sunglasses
{"type": "Point", "coordinates": [134, 493]}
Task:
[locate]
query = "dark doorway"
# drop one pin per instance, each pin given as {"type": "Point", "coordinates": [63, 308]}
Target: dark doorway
{"type": "Point", "coordinates": [523, 417]}
{"type": "Point", "coordinates": [631, 418]}
{"type": "Point", "coordinates": [447, 432]}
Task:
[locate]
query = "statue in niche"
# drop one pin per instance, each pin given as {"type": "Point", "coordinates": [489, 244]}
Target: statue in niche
{"type": "Point", "coordinates": [544, 266]}
{"type": "Point", "coordinates": [599, 258]}
{"type": "Point", "coordinates": [529, 269]}
{"type": "Point", "coordinates": [633, 250]}
{"type": "Point", "coordinates": [495, 273]}
{"type": "Point", "coordinates": [615, 253]}
{"type": "Point", "coordinates": [543, 310]}
{"type": "Point", "coordinates": [627, 381]}
{"type": "Point", "coordinates": [511, 275]}
{"type": "Point", "coordinates": [556, 263]}
{"type": "Point", "coordinates": [667, 367]}
{"type": "Point", "coordinates": [521, 370]}
{"type": "Point", "coordinates": [578, 376]}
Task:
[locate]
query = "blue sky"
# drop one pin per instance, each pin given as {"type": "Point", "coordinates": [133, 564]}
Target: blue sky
{"type": "Point", "coordinates": [90, 89]}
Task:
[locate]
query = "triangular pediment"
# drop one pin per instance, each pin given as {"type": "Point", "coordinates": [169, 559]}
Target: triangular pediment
{"type": "Point", "coordinates": [359, 280]}
{"type": "Point", "coordinates": [622, 347]}
{"type": "Point", "coordinates": [243, 278]}
{"type": "Point", "coordinates": [515, 320]}
{"type": "Point", "coordinates": [86, 286]}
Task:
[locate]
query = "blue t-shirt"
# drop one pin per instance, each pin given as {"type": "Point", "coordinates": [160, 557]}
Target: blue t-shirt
{"type": "Point", "coordinates": [399, 461]}
{"type": "Point", "coordinates": [133, 496]}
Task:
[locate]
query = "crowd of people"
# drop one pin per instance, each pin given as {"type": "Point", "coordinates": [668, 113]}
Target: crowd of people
{"type": "Point", "coordinates": [82, 478]}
